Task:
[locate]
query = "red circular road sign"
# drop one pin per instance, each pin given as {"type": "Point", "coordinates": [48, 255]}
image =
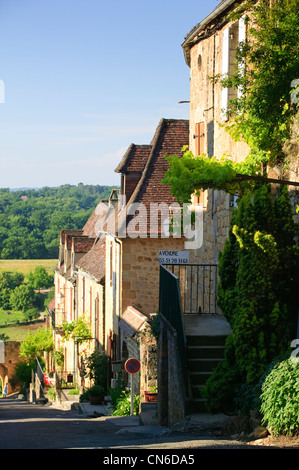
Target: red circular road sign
{"type": "Point", "coordinates": [132, 366]}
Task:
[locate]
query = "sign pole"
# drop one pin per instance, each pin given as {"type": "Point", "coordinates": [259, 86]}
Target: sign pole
{"type": "Point", "coordinates": [132, 394]}
{"type": "Point", "coordinates": [132, 366]}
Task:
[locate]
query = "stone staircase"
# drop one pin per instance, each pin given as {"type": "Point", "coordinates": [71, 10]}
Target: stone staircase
{"type": "Point", "coordinates": [203, 355]}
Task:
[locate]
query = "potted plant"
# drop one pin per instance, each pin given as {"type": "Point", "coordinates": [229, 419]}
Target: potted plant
{"type": "Point", "coordinates": [96, 395]}
{"type": "Point", "coordinates": [151, 395]}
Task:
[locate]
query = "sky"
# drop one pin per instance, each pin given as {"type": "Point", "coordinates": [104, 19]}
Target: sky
{"type": "Point", "coordinates": [80, 80]}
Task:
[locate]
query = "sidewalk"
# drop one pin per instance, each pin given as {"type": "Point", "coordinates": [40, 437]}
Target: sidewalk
{"type": "Point", "coordinates": [206, 423]}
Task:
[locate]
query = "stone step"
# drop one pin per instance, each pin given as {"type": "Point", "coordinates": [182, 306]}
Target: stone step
{"type": "Point", "coordinates": [199, 378]}
{"type": "Point", "coordinates": [202, 365]}
{"type": "Point", "coordinates": [201, 352]}
{"type": "Point", "coordinates": [197, 405]}
{"type": "Point", "coordinates": [198, 340]}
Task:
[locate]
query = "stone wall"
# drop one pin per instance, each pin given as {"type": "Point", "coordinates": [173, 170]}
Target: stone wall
{"type": "Point", "coordinates": [171, 393]}
{"type": "Point", "coordinates": [140, 271]}
{"type": "Point", "coordinates": [7, 368]}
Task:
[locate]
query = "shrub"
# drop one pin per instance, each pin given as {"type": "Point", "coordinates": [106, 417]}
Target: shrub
{"type": "Point", "coordinates": [23, 371]}
{"type": "Point", "coordinates": [31, 314]}
{"type": "Point", "coordinates": [97, 364]}
{"type": "Point", "coordinates": [279, 398]}
{"type": "Point", "coordinates": [123, 405]}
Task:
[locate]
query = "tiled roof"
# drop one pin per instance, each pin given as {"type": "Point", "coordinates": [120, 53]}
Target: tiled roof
{"type": "Point", "coordinates": [217, 16]}
{"type": "Point", "coordinates": [170, 137]}
{"type": "Point", "coordinates": [131, 321]}
{"type": "Point", "coordinates": [93, 263]}
{"type": "Point", "coordinates": [149, 160]}
{"type": "Point", "coordinates": [134, 159]}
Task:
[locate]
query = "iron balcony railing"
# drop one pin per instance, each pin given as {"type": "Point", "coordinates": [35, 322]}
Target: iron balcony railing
{"type": "Point", "coordinates": [198, 287]}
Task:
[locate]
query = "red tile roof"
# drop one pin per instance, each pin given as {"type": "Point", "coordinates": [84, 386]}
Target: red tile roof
{"type": "Point", "coordinates": [170, 137]}
{"type": "Point", "coordinates": [134, 159]}
{"type": "Point", "coordinates": [93, 263]}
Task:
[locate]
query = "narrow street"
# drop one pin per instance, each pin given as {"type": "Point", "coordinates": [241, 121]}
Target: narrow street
{"type": "Point", "coordinates": [29, 426]}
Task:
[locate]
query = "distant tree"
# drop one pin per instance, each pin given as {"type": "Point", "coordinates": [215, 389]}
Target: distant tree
{"type": "Point", "coordinates": [36, 344]}
{"type": "Point", "coordinates": [22, 298]}
{"type": "Point", "coordinates": [40, 279]}
{"type": "Point", "coordinates": [29, 229]}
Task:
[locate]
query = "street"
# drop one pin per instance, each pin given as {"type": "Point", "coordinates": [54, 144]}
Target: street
{"type": "Point", "coordinates": [30, 426]}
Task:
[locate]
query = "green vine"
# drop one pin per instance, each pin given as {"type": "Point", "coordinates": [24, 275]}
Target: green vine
{"type": "Point", "coordinates": [78, 330]}
{"type": "Point", "coordinates": [191, 173]}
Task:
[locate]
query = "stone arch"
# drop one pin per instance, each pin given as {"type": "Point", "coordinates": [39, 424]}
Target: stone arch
{"type": "Point", "coordinates": [3, 376]}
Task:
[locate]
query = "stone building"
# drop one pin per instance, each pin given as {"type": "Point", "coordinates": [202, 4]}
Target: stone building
{"type": "Point", "coordinates": [210, 49]}
{"type": "Point", "coordinates": [9, 357]}
{"type": "Point", "coordinates": [110, 268]}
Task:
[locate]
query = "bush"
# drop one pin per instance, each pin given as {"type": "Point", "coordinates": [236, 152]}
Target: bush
{"type": "Point", "coordinates": [279, 398]}
{"type": "Point", "coordinates": [220, 389]}
{"type": "Point", "coordinates": [23, 371]}
{"type": "Point", "coordinates": [31, 314]}
{"type": "Point", "coordinates": [123, 405]}
{"type": "Point", "coordinates": [97, 364]}
{"type": "Point", "coordinates": [96, 390]}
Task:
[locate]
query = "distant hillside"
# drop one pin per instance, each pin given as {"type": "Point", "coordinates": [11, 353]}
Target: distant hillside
{"type": "Point", "coordinates": [31, 219]}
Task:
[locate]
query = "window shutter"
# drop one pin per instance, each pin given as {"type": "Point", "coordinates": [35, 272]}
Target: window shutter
{"type": "Point", "coordinates": [225, 70]}
{"type": "Point", "coordinates": [199, 138]}
{"type": "Point", "coordinates": [242, 38]}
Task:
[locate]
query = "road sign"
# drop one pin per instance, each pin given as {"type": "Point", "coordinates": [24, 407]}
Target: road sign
{"type": "Point", "coordinates": [173, 257]}
{"type": "Point", "coordinates": [132, 366]}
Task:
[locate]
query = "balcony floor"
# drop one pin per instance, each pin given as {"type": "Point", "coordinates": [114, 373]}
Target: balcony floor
{"type": "Point", "coordinates": [206, 325]}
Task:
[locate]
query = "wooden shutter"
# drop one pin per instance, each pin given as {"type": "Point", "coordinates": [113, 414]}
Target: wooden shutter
{"type": "Point", "coordinates": [199, 138]}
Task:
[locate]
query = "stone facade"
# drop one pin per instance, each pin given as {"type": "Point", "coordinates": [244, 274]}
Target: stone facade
{"type": "Point", "coordinates": [210, 50]}
{"type": "Point", "coordinates": [101, 273]}
{"type": "Point", "coordinates": [9, 357]}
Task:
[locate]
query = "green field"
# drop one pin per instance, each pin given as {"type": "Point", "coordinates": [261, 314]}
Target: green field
{"type": "Point", "coordinates": [25, 266]}
{"type": "Point", "coordinates": [18, 332]}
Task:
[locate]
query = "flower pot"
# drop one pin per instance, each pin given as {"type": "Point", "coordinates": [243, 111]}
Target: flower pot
{"type": "Point", "coordinates": [151, 396]}
{"type": "Point", "coordinates": [96, 399]}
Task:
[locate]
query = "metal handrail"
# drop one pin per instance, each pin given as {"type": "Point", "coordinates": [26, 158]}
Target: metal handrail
{"type": "Point", "coordinates": [198, 287]}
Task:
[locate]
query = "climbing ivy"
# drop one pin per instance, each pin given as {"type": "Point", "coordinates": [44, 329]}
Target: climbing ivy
{"type": "Point", "coordinates": [263, 113]}
{"type": "Point", "coordinates": [78, 330]}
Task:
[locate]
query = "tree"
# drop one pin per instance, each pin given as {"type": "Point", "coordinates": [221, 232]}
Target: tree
{"type": "Point", "coordinates": [36, 344]}
{"type": "Point", "coordinates": [22, 297]}
{"type": "Point", "coordinates": [258, 290]}
{"type": "Point", "coordinates": [8, 282]}
{"type": "Point", "coordinates": [40, 279]}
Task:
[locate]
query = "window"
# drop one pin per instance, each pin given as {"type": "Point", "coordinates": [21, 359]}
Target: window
{"type": "Point", "coordinates": [231, 38]}
{"type": "Point", "coordinates": [199, 137]}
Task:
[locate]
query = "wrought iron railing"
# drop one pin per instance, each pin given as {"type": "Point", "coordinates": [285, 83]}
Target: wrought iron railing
{"type": "Point", "coordinates": [198, 287]}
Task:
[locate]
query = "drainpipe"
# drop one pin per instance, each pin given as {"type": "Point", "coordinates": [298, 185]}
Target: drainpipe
{"type": "Point", "coordinates": [119, 242]}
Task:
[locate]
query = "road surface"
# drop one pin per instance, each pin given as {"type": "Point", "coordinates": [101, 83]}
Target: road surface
{"type": "Point", "coordinates": [30, 426]}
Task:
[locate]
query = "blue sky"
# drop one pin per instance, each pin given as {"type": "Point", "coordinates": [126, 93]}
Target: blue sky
{"type": "Point", "coordinates": [86, 78]}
